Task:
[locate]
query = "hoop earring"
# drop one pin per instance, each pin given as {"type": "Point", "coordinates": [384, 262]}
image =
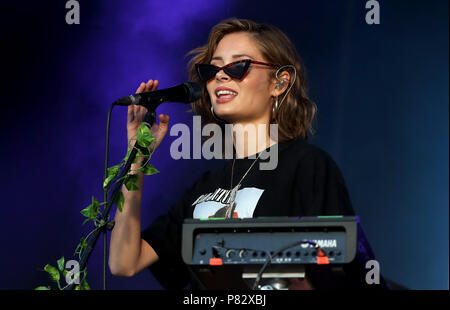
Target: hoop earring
{"type": "Point", "coordinates": [275, 108]}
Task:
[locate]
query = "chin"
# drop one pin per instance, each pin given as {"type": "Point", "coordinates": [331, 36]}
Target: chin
{"type": "Point", "coordinates": [228, 117]}
{"type": "Point", "coordinates": [225, 110]}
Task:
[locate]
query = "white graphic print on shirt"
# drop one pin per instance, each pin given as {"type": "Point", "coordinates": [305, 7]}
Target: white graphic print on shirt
{"type": "Point", "coordinates": [216, 204]}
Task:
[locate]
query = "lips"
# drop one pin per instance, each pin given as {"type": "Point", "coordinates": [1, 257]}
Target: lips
{"type": "Point", "coordinates": [225, 94]}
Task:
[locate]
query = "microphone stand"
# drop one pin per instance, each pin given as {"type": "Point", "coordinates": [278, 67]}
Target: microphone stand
{"type": "Point", "coordinates": [102, 219]}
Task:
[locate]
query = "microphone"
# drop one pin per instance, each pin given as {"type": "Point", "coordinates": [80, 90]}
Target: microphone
{"type": "Point", "coordinates": [184, 93]}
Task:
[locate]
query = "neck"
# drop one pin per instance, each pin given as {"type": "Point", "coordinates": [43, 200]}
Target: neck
{"type": "Point", "coordinates": [250, 138]}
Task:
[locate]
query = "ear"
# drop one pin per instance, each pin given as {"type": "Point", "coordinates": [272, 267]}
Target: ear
{"type": "Point", "coordinates": [280, 85]}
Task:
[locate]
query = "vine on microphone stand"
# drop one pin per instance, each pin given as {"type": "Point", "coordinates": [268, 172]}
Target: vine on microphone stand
{"type": "Point", "coordinates": [144, 139]}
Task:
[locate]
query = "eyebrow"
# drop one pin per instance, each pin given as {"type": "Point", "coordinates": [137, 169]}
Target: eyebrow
{"type": "Point", "coordinates": [234, 56]}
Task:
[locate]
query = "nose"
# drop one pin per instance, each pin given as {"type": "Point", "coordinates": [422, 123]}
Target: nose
{"type": "Point", "coordinates": [222, 76]}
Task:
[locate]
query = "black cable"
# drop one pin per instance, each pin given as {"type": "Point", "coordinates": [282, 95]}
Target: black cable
{"type": "Point", "coordinates": [269, 259]}
{"type": "Point", "coordinates": [105, 194]}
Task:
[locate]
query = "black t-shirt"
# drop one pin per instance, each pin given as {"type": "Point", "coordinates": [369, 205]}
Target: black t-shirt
{"type": "Point", "coordinates": [305, 182]}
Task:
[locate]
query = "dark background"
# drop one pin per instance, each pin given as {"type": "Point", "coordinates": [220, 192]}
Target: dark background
{"type": "Point", "coordinates": [381, 90]}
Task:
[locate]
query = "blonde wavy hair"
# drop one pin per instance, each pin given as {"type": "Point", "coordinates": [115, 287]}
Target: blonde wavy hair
{"type": "Point", "coordinates": [296, 114]}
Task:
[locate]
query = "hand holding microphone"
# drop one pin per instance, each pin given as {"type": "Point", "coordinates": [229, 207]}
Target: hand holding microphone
{"type": "Point", "coordinates": [147, 97]}
{"type": "Point", "coordinates": [136, 114]}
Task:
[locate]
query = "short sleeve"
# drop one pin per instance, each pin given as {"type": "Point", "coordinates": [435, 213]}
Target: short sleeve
{"type": "Point", "coordinates": [321, 186]}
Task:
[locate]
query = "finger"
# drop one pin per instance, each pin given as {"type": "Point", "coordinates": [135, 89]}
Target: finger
{"type": "Point", "coordinates": [141, 109]}
{"type": "Point", "coordinates": [141, 112]}
{"type": "Point", "coordinates": [164, 119]}
{"type": "Point", "coordinates": [155, 85]}
{"type": "Point", "coordinates": [148, 85]}
{"type": "Point", "coordinates": [135, 112]}
{"type": "Point", "coordinates": [130, 113]}
{"type": "Point", "coordinates": [140, 88]}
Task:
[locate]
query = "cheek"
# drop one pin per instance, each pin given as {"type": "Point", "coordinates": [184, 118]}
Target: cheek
{"type": "Point", "coordinates": [210, 88]}
{"type": "Point", "coordinates": [258, 88]}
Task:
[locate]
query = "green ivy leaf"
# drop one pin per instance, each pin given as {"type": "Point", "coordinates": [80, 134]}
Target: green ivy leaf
{"type": "Point", "coordinates": [91, 211]}
{"type": "Point", "coordinates": [128, 155]}
{"type": "Point", "coordinates": [86, 211]}
{"type": "Point", "coordinates": [130, 182]}
{"type": "Point", "coordinates": [136, 158]}
{"type": "Point", "coordinates": [149, 170]}
{"type": "Point", "coordinates": [119, 201]}
{"type": "Point", "coordinates": [42, 288]}
{"type": "Point", "coordinates": [112, 173]}
{"type": "Point", "coordinates": [53, 272]}
{"type": "Point", "coordinates": [81, 246]}
{"type": "Point", "coordinates": [61, 264]}
{"type": "Point", "coordinates": [132, 187]}
{"type": "Point", "coordinates": [83, 243]}
{"type": "Point", "coordinates": [145, 153]}
{"type": "Point", "coordinates": [77, 288]}
{"type": "Point", "coordinates": [86, 285]}
{"type": "Point", "coordinates": [144, 136]}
